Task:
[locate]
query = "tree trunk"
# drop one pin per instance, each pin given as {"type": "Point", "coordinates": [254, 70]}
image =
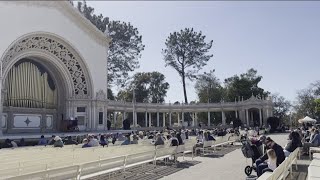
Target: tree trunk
{"type": "Point", "coordinates": [184, 89]}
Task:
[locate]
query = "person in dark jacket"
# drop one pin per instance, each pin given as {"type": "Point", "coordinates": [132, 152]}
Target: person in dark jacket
{"type": "Point", "coordinates": [108, 124]}
{"type": "Point", "coordinates": [260, 163]}
{"type": "Point", "coordinates": [69, 141]}
{"type": "Point", "coordinates": [179, 138]}
{"type": "Point", "coordinates": [293, 143]}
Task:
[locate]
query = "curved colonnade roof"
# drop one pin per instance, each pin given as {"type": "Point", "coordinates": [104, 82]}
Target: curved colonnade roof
{"type": "Point", "coordinates": [253, 102]}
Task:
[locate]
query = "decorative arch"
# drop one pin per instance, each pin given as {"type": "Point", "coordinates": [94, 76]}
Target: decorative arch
{"type": "Point", "coordinates": [63, 52]}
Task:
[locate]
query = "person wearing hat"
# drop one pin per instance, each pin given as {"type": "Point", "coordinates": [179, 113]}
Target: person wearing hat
{"type": "Point", "coordinates": [261, 164]}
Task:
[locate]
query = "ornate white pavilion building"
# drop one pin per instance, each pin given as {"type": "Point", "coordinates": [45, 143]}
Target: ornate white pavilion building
{"type": "Point", "coordinates": [53, 66]}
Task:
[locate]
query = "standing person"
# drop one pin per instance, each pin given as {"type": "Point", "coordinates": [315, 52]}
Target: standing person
{"type": "Point", "coordinates": [260, 163]}
{"type": "Point", "coordinates": [108, 124]}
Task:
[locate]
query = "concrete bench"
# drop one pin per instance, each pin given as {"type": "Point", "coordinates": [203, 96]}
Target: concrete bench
{"type": "Point", "coordinates": [313, 150]}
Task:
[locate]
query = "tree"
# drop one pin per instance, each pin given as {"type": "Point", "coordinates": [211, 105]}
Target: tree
{"type": "Point", "coordinates": [306, 103]}
{"type": "Point", "coordinates": [148, 86]}
{"type": "Point", "coordinates": [208, 88]}
{"type": "Point", "coordinates": [281, 106]}
{"type": "Point", "coordinates": [187, 52]}
{"type": "Point", "coordinates": [125, 48]}
{"type": "Point", "coordinates": [244, 86]}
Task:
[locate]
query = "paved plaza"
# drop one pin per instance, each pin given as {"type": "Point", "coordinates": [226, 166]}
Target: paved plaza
{"type": "Point", "coordinates": [229, 166]}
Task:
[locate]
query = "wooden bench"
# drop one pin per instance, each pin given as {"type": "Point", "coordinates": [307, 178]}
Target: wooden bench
{"type": "Point", "coordinates": [282, 171]}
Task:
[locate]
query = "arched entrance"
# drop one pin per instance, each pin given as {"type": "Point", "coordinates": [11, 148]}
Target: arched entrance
{"type": "Point", "coordinates": [255, 117]}
{"type": "Point", "coordinates": [43, 79]}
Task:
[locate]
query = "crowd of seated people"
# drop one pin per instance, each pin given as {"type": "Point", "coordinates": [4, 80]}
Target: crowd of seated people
{"type": "Point", "coordinates": [300, 137]}
{"type": "Point", "coordinates": [166, 136]}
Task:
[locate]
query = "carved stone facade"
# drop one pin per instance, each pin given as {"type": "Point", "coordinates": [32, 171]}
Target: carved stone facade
{"type": "Point", "coordinates": [53, 46]}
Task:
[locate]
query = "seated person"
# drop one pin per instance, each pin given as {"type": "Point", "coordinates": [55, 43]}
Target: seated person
{"type": "Point", "coordinates": [210, 137]}
{"type": "Point", "coordinates": [103, 141]}
{"type": "Point", "coordinates": [93, 141]}
{"type": "Point", "coordinates": [180, 138]}
{"type": "Point", "coordinates": [58, 142]}
{"type": "Point", "coordinates": [135, 139]}
{"type": "Point", "coordinates": [85, 143]}
{"type": "Point", "coordinates": [159, 140]}
{"type": "Point", "coordinates": [260, 163]}
{"type": "Point", "coordinates": [69, 141]}
{"type": "Point", "coordinates": [314, 141]}
{"type": "Point", "coordinates": [127, 141]}
{"type": "Point", "coordinates": [293, 143]}
{"type": "Point", "coordinates": [51, 141]}
{"type": "Point", "coordinates": [42, 141]}
{"type": "Point", "coordinates": [272, 161]}
{"type": "Point", "coordinates": [173, 141]}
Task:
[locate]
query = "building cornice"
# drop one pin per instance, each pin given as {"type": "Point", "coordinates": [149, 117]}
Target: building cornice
{"type": "Point", "coordinates": [74, 15]}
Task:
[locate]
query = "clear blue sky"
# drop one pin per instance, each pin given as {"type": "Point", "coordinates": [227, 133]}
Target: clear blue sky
{"type": "Point", "coordinates": [279, 39]}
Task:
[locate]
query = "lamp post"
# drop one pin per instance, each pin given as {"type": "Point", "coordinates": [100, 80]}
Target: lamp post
{"type": "Point", "coordinates": [133, 108]}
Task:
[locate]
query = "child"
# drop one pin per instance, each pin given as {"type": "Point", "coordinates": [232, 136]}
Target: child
{"type": "Point", "coordinates": [272, 159]}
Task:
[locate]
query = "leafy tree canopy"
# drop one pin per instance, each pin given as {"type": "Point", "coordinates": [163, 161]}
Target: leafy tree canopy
{"type": "Point", "coordinates": [244, 86]}
{"type": "Point", "coordinates": [187, 52]}
{"type": "Point", "coordinates": [149, 87]}
{"type": "Point", "coordinates": [125, 48]}
{"type": "Point", "coordinates": [208, 88]}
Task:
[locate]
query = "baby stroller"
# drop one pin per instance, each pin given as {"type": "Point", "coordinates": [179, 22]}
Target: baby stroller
{"type": "Point", "coordinates": [250, 150]}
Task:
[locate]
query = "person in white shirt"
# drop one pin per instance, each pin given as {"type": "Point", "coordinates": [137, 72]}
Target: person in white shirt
{"type": "Point", "coordinates": [272, 161]}
{"type": "Point", "coordinates": [93, 141]}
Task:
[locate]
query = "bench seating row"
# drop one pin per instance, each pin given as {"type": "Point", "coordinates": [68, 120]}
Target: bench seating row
{"type": "Point", "coordinates": [210, 146]}
{"type": "Point", "coordinates": [105, 166]}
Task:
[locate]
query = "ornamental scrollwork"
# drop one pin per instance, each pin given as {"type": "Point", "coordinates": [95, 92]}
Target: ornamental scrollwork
{"type": "Point", "coordinates": [58, 49]}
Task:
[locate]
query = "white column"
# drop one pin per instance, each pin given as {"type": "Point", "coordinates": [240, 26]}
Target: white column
{"type": "Point", "coordinates": [158, 124]}
{"type": "Point", "coordinates": [193, 119]}
{"type": "Point", "coordinates": [164, 119]}
{"type": "Point", "coordinates": [170, 123]}
{"type": "Point", "coordinates": [135, 119]}
{"type": "Point", "coordinates": [223, 118]}
{"type": "Point", "coordinates": [115, 118]}
{"type": "Point", "coordinates": [267, 113]}
{"type": "Point", "coordinates": [247, 117]}
{"type": "Point", "coordinates": [196, 117]}
{"type": "Point", "coordinates": [209, 118]}
{"type": "Point", "coordinates": [182, 118]}
{"type": "Point", "coordinates": [260, 116]}
{"type": "Point", "coordinates": [178, 119]}
{"type": "Point", "coordinates": [146, 118]}
{"type": "Point", "coordinates": [236, 114]}
{"type": "Point", "coordinates": [150, 119]}
{"type": "Point", "coordinates": [105, 116]}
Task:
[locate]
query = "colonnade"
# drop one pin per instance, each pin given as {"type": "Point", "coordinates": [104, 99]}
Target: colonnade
{"type": "Point", "coordinates": [246, 115]}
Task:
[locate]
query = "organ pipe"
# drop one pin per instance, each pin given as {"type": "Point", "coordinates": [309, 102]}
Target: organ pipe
{"type": "Point", "coordinates": [28, 85]}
